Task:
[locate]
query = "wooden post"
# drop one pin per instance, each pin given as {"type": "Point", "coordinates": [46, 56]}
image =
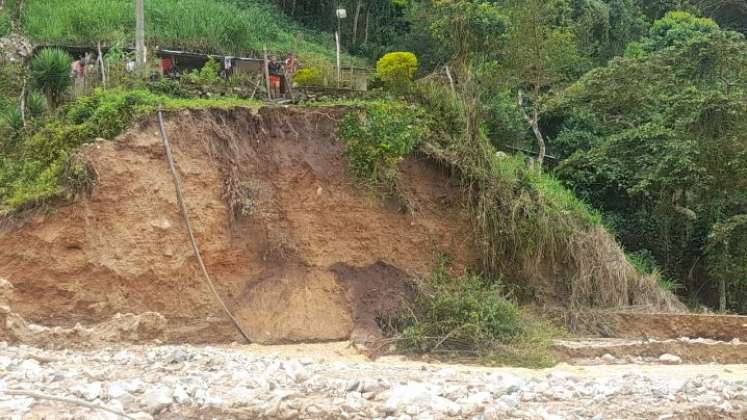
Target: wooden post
{"type": "Point", "coordinates": [267, 75]}
{"type": "Point", "coordinates": [100, 62]}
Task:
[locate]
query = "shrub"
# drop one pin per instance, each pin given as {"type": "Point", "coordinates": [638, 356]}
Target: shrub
{"type": "Point", "coordinates": [50, 71]}
{"type": "Point", "coordinates": [209, 74]}
{"type": "Point", "coordinates": [309, 77]}
{"type": "Point", "coordinates": [36, 104]}
{"type": "Point", "coordinates": [320, 63]}
{"type": "Point", "coordinates": [379, 138]}
{"type": "Point", "coordinates": [397, 68]}
{"type": "Point", "coordinates": [469, 314]}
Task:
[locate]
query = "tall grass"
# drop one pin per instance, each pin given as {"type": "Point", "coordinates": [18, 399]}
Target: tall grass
{"type": "Point", "coordinates": [5, 23]}
{"type": "Point", "coordinates": [200, 25]}
{"type": "Point", "coordinates": [531, 230]}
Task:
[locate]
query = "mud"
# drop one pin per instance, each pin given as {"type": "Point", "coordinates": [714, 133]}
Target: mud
{"type": "Point", "coordinates": [294, 246]}
{"type": "Point", "coordinates": [692, 351]}
{"type": "Point", "coordinates": [717, 327]}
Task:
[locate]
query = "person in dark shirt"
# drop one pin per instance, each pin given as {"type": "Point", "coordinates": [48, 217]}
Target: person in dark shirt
{"type": "Point", "coordinates": [276, 74]}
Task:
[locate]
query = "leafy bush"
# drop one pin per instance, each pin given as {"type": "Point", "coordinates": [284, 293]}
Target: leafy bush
{"type": "Point", "coordinates": [469, 314]}
{"type": "Point", "coordinates": [5, 23]}
{"type": "Point", "coordinates": [36, 104]}
{"type": "Point", "coordinates": [308, 77]}
{"type": "Point", "coordinates": [209, 74]}
{"type": "Point", "coordinates": [397, 68]}
{"type": "Point", "coordinates": [378, 138]}
{"type": "Point", "coordinates": [325, 67]}
{"type": "Point", "coordinates": [50, 71]}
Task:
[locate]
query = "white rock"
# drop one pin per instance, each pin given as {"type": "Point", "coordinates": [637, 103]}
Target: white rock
{"type": "Point", "coordinates": [608, 358]}
{"type": "Point", "coordinates": [670, 359]}
{"type": "Point", "coordinates": [505, 383]}
{"type": "Point", "coordinates": [157, 399]}
{"type": "Point", "coordinates": [115, 390]}
{"type": "Point", "coordinates": [400, 398]}
{"type": "Point", "coordinates": [180, 395]}
{"type": "Point", "coordinates": [88, 392]}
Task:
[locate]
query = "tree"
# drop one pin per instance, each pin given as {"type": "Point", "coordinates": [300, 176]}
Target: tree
{"type": "Point", "coordinates": [50, 72]}
{"type": "Point", "coordinates": [541, 53]}
{"type": "Point", "coordinates": [661, 148]}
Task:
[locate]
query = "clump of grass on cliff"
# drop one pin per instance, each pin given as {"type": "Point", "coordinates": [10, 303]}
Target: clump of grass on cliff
{"type": "Point", "coordinates": [37, 163]}
{"type": "Point", "coordinates": [378, 137]}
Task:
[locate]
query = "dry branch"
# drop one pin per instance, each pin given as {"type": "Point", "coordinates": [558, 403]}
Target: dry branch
{"type": "Point", "coordinates": [81, 403]}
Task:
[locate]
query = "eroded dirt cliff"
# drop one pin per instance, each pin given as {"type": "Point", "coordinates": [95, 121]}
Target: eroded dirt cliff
{"type": "Point", "coordinates": [298, 250]}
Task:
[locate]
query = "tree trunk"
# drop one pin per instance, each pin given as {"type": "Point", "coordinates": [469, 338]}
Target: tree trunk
{"type": "Point", "coordinates": [355, 21]}
{"type": "Point", "coordinates": [368, 16]}
{"type": "Point", "coordinates": [451, 79]}
{"type": "Point", "coordinates": [534, 124]}
{"type": "Point", "coordinates": [23, 102]}
{"type": "Point", "coordinates": [140, 35]}
{"type": "Point", "coordinates": [722, 297]}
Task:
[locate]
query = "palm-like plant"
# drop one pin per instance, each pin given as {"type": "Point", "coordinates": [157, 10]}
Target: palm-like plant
{"type": "Point", "coordinates": [50, 71]}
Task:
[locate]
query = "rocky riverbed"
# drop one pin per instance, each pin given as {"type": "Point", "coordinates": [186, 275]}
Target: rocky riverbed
{"type": "Point", "coordinates": [174, 382]}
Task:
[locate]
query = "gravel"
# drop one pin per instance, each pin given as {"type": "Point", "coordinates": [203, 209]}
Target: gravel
{"type": "Point", "coordinates": [174, 382]}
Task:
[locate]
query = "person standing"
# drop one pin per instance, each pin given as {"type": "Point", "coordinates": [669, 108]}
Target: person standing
{"type": "Point", "coordinates": [276, 74]}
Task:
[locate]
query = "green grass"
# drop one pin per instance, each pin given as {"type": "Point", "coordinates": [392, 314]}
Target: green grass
{"type": "Point", "coordinates": [198, 25]}
{"type": "Point", "coordinates": [470, 315]}
{"type": "Point", "coordinates": [5, 25]}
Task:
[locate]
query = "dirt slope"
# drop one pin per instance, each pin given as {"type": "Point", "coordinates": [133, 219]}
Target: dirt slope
{"type": "Point", "coordinates": [307, 257]}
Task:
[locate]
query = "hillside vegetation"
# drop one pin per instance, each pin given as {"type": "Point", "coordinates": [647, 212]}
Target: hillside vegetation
{"type": "Point", "coordinates": [211, 26]}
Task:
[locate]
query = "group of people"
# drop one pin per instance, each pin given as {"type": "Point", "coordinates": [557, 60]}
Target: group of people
{"type": "Point", "coordinates": [281, 75]}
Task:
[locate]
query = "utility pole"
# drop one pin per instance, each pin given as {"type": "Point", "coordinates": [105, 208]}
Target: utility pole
{"type": "Point", "coordinates": [140, 34]}
{"type": "Point", "coordinates": [341, 14]}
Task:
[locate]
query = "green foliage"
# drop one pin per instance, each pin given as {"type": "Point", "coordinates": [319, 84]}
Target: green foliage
{"type": "Point", "coordinates": [11, 125]}
{"type": "Point", "coordinates": [397, 68]}
{"type": "Point", "coordinates": [379, 137]}
{"type": "Point", "coordinates": [209, 26]}
{"type": "Point", "coordinates": [674, 30]}
{"type": "Point", "coordinates": [50, 71]}
{"type": "Point", "coordinates": [529, 229]}
{"type": "Point", "coordinates": [36, 104]}
{"type": "Point", "coordinates": [660, 146]}
{"type": "Point", "coordinates": [209, 74]}
{"type": "Point", "coordinates": [11, 80]}
{"type": "Point", "coordinates": [469, 314]}
{"type": "Point", "coordinates": [468, 310]}
{"type": "Point", "coordinates": [5, 23]}
{"type": "Point", "coordinates": [309, 76]}
{"type": "Point", "coordinates": [467, 29]}
{"type": "Point", "coordinates": [40, 165]}
{"type": "Point", "coordinates": [603, 28]}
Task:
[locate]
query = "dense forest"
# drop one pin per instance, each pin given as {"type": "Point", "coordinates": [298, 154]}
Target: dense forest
{"type": "Point", "coordinates": [637, 106]}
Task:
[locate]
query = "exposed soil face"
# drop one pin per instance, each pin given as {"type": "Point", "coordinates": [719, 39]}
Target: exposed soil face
{"type": "Point", "coordinates": [297, 254]}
